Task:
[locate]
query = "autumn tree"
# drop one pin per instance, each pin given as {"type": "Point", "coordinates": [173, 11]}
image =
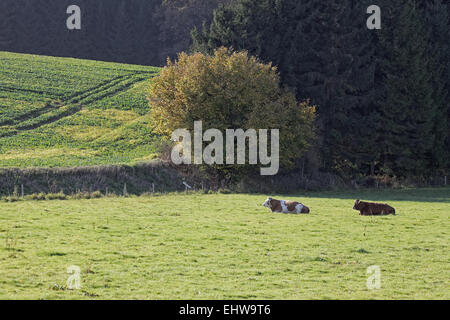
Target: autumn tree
{"type": "Point", "coordinates": [230, 90]}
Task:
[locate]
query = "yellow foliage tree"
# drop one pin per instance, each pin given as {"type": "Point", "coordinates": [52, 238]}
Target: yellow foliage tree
{"type": "Point", "coordinates": [230, 90]}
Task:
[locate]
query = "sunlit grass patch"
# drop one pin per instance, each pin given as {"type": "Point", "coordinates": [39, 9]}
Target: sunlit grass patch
{"type": "Point", "coordinates": [45, 153]}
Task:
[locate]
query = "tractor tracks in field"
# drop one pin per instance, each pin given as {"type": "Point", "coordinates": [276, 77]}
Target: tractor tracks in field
{"type": "Point", "coordinates": [63, 114]}
{"type": "Point", "coordinates": [37, 92]}
{"type": "Point", "coordinates": [58, 110]}
{"type": "Point", "coordinates": [107, 89]}
{"type": "Point", "coordinates": [48, 114]}
{"type": "Point", "coordinates": [29, 115]}
{"type": "Point", "coordinates": [81, 95]}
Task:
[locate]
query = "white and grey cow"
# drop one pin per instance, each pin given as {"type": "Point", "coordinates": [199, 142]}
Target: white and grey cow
{"type": "Point", "coordinates": [283, 206]}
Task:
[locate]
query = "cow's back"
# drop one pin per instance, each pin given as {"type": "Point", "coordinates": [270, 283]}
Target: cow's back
{"type": "Point", "coordinates": [292, 205]}
{"type": "Point", "coordinates": [377, 209]}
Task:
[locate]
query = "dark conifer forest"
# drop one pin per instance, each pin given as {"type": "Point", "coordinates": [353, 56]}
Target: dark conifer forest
{"type": "Point", "coordinates": [132, 31]}
{"type": "Point", "coordinates": [382, 95]}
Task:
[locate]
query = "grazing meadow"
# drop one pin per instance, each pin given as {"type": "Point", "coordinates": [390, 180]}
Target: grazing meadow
{"type": "Point", "coordinates": [226, 246]}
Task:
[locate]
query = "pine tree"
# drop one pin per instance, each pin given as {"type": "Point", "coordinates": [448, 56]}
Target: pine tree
{"type": "Point", "coordinates": [406, 92]}
{"type": "Point", "coordinates": [437, 19]}
{"type": "Point", "coordinates": [332, 63]}
{"type": "Point", "coordinates": [246, 24]}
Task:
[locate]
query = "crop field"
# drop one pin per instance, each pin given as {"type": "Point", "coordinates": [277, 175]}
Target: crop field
{"type": "Point", "coordinates": [68, 112]}
{"type": "Point", "coordinates": [226, 246]}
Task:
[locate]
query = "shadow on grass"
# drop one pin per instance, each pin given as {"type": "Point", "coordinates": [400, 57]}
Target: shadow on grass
{"type": "Point", "coordinates": [441, 195]}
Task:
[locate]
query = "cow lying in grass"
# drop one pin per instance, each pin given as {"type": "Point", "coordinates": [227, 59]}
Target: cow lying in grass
{"type": "Point", "coordinates": [283, 206]}
{"type": "Point", "coordinates": [373, 209]}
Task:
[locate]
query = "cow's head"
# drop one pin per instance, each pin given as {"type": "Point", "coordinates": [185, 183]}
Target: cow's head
{"type": "Point", "coordinates": [357, 205]}
{"type": "Point", "coordinates": [305, 209]}
{"type": "Point", "coordinates": [268, 203]}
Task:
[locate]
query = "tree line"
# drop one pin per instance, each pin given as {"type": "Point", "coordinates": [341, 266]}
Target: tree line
{"type": "Point", "coordinates": [131, 31]}
{"type": "Point", "coordinates": [382, 96]}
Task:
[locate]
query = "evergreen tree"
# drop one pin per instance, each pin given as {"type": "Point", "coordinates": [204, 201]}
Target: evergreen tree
{"type": "Point", "coordinates": [331, 61]}
{"type": "Point", "coordinates": [406, 92]}
{"type": "Point", "coordinates": [437, 18]}
{"type": "Point", "coordinates": [323, 52]}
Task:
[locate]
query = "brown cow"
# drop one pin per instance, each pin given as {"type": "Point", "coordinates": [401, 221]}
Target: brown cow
{"type": "Point", "coordinates": [283, 206]}
{"type": "Point", "coordinates": [373, 209]}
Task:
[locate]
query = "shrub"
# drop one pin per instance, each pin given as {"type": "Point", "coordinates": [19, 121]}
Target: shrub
{"type": "Point", "coordinates": [12, 199]}
{"type": "Point", "coordinates": [96, 195]}
{"type": "Point", "coordinates": [37, 196]}
{"type": "Point", "coordinates": [224, 191]}
{"type": "Point", "coordinates": [230, 90]}
{"type": "Point", "coordinates": [56, 196]}
{"type": "Point", "coordinates": [81, 195]}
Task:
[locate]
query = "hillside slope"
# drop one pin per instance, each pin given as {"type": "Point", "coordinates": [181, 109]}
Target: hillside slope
{"type": "Point", "coordinates": [67, 112]}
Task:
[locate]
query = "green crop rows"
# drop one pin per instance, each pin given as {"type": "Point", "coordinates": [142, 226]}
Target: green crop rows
{"type": "Point", "coordinates": [69, 112]}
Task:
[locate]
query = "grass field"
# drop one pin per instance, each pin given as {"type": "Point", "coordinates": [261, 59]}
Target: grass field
{"type": "Point", "coordinates": [68, 112]}
{"type": "Point", "coordinates": [226, 246]}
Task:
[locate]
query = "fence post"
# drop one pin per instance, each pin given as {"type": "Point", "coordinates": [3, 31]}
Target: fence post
{"type": "Point", "coordinates": [125, 192]}
{"type": "Point", "coordinates": [153, 189]}
{"type": "Point", "coordinates": [445, 180]}
{"type": "Point", "coordinates": [22, 191]}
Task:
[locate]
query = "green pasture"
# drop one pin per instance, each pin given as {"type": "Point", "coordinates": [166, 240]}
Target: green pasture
{"type": "Point", "coordinates": [226, 246]}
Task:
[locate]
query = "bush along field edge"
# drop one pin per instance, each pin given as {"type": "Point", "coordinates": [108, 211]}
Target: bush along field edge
{"type": "Point", "coordinates": [157, 177]}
